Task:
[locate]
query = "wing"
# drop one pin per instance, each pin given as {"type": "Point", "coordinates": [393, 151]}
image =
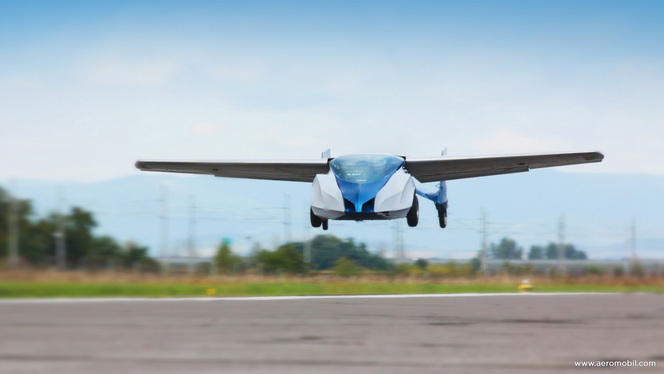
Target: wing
{"type": "Point", "coordinates": [449, 168]}
{"type": "Point", "coordinates": [296, 171]}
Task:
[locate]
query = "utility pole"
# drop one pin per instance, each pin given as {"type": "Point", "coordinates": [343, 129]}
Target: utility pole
{"type": "Point", "coordinates": [192, 226]}
{"type": "Point", "coordinates": [307, 251]}
{"type": "Point", "coordinates": [632, 243]}
{"type": "Point", "coordinates": [164, 226]}
{"type": "Point", "coordinates": [307, 239]}
{"type": "Point", "coordinates": [633, 240]}
{"type": "Point", "coordinates": [287, 219]}
{"type": "Point", "coordinates": [485, 256]}
{"type": "Point", "coordinates": [192, 232]}
{"type": "Point", "coordinates": [561, 245]}
{"type": "Point", "coordinates": [60, 238]}
{"type": "Point", "coordinates": [13, 230]}
{"type": "Point", "coordinates": [399, 252]}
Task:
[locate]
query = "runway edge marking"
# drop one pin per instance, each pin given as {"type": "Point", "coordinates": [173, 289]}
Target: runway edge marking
{"type": "Point", "coordinates": [285, 298]}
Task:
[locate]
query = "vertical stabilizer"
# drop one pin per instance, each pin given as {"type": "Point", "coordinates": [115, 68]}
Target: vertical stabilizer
{"type": "Point", "coordinates": [326, 153]}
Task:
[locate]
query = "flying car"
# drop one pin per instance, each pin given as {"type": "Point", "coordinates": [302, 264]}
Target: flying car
{"type": "Point", "coordinates": [374, 186]}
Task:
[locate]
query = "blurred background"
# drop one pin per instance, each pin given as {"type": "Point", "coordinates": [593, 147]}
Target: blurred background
{"type": "Point", "coordinates": [86, 89]}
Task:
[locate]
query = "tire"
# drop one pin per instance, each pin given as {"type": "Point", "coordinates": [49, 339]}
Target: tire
{"type": "Point", "coordinates": [413, 216]}
{"type": "Point", "coordinates": [315, 220]}
{"type": "Point", "coordinates": [442, 216]}
{"type": "Point", "coordinates": [324, 222]}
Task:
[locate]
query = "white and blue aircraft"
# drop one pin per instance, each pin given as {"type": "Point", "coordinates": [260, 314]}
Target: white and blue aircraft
{"type": "Point", "coordinates": [374, 186]}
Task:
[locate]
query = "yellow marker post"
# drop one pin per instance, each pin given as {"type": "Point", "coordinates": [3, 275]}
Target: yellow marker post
{"type": "Point", "coordinates": [525, 286]}
{"type": "Point", "coordinates": [211, 291]}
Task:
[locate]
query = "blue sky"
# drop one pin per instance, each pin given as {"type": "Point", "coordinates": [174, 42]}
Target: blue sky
{"type": "Point", "coordinates": [86, 88]}
{"type": "Point", "coordinates": [89, 87]}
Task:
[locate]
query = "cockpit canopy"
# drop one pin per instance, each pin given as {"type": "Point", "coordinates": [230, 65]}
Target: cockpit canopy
{"type": "Point", "coordinates": [365, 168]}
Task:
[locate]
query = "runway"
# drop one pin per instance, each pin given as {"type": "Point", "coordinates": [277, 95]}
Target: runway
{"type": "Point", "coordinates": [451, 334]}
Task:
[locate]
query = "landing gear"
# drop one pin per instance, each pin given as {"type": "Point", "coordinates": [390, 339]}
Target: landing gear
{"type": "Point", "coordinates": [315, 220]}
{"type": "Point", "coordinates": [413, 215]}
{"type": "Point", "coordinates": [442, 215]}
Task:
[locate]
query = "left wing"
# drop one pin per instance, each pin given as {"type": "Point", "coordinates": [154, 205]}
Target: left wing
{"type": "Point", "coordinates": [449, 168]}
{"type": "Point", "coordinates": [296, 171]}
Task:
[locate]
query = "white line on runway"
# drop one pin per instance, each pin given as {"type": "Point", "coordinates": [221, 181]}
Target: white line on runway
{"type": "Point", "coordinates": [283, 298]}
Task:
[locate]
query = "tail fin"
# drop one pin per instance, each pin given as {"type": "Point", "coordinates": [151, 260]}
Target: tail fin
{"type": "Point", "coordinates": [326, 153]}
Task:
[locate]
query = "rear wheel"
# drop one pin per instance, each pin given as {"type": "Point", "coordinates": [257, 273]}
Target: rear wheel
{"type": "Point", "coordinates": [315, 220]}
{"type": "Point", "coordinates": [413, 216]}
{"type": "Point", "coordinates": [324, 224]}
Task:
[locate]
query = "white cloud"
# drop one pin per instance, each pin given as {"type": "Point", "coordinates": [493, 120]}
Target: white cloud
{"type": "Point", "coordinates": [261, 103]}
{"type": "Point", "coordinates": [463, 255]}
{"type": "Point", "coordinates": [246, 71]}
{"type": "Point", "coordinates": [120, 69]}
{"type": "Point", "coordinates": [205, 128]}
{"type": "Point", "coordinates": [507, 140]}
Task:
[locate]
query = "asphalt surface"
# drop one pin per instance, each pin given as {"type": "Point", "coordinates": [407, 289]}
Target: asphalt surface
{"type": "Point", "coordinates": [488, 334]}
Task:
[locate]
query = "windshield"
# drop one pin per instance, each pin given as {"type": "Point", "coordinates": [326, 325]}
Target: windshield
{"type": "Point", "coordinates": [365, 168]}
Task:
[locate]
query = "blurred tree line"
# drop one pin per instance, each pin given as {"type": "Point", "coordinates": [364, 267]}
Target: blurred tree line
{"type": "Point", "coordinates": [507, 249]}
{"type": "Point", "coordinates": [328, 253]}
{"type": "Point", "coordinates": [331, 255]}
{"type": "Point", "coordinates": [344, 257]}
{"type": "Point", "coordinates": [83, 248]}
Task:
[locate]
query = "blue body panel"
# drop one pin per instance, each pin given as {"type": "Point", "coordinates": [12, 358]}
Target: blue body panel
{"type": "Point", "coordinates": [361, 177]}
{"type": "Point", "coordinates": [436, 194]}
{"type": "Point", "coordinates": [359, 194]}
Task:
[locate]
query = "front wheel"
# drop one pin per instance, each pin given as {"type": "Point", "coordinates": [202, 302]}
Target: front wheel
{"type": "Point", "coordinates": [324, 222]}
{"type": "Point", "coordinates": [413, 216]}
{"type": "Point", "coordinates": [315, 220]}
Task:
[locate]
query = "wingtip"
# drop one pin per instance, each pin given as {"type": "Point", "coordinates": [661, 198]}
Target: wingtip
{"type": "Point", "coordinates": [140, 165]}
{"type": "Point", "coordinates": [595, 156]}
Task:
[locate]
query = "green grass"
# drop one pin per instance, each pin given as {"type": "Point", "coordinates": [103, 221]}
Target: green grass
{"type": "Point", "coordinates": [67, 289]}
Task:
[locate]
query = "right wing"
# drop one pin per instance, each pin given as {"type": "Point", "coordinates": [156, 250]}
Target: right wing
{"type": "Point", "coordinates": [296, 171]}
{"type": "Point", "coordinates": [449, 168]}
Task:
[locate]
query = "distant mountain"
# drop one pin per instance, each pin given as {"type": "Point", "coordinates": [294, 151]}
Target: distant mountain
{"type": "Point", "coordinates": [598, 211]}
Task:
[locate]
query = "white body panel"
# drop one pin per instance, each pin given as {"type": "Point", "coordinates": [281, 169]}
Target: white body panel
{"type": "Point", "coordinates": [326, 198]}
{"type": "Point", "coordinates": [396, 197]}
